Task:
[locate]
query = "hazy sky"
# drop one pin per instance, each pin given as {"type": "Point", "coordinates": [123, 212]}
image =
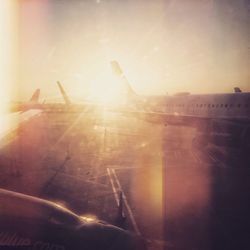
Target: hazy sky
{"type": "Point", "coordinates": [163, 46]}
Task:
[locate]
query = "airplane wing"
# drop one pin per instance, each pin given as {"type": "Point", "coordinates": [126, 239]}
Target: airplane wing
{"type": "Point", "coordinates": [32, 103]}
{"type": "Point", "coordinates": [11, 122]}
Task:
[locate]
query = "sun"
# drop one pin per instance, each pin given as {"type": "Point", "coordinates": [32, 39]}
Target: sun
{"type": "Point", "coordinates": [107, 90]}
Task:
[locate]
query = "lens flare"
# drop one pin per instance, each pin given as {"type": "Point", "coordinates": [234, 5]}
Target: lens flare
{"type": "Point", "coordinates": [8, 58]}
{"type": "Point", "coordinates": [106, 90]}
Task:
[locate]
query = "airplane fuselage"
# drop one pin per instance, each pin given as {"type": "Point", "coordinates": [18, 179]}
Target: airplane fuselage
{"type": "Point", "coordinates": [233, 106]}
{"type": "Point", "coordinates": [223, 119]}
{"type": "Point", "coordinates": [220, 118]}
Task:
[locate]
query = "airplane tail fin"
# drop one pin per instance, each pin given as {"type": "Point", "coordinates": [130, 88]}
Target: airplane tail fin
{"type": "Point", "coordinates": [237, 90]}
{"type": "Point", "coordinates": [65, 96]}
{"type": "Point", "coordinates": [35, 97]}
{"type": "Point", "coordinates": [118, 72]}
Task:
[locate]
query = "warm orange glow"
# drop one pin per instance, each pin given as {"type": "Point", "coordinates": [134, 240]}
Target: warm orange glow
{"type": "Point", "coordinates": [8, 59]}
{"type": "Point", "coordinates": [147, 179]}
{"type": "Point", "coordinates": [175, 53]}
{"type": "Point", "coordinates": [8, 55]}
{"type": "Point", "coordinates": [107, 90]}
{"type": "Point", "coordinates": [89, 218]}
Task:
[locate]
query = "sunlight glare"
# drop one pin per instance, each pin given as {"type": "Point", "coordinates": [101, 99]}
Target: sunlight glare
{"type": "Point", "coordinates": [8, 43]}
{"type": "Point", "coordinates": [106, 90]}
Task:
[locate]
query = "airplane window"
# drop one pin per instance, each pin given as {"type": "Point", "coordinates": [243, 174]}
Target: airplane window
{"type": "Point", "coordinates": [226, 105]}
{"type": "Point", "coordinates": [213, 106]}
{"type": "Point", "coordinates": [239, 105]}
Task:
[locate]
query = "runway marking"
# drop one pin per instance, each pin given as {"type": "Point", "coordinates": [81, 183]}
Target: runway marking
{"type": "Point", "coordinates": [79, 178]}
{"type": "Point", "coordinates": [113, 187]}
{"type": "Point", "coordinates": [132, 218]}
{"type": "Point", "coordinates": [126, 168]}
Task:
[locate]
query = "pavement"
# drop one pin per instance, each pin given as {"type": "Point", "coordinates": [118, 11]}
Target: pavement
{"type": "Point", "coordinates": [144, 177]}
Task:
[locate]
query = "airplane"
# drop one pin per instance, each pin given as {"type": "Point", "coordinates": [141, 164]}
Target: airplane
{"type": "Point", "coordinates": [11, 122]}
{"type": "Point", "coordinates": [29, 222]}
{"type": "Point", "coordinates": [67, 106]}
{"type": "Point", "coordinates": [220, 119]}
{"type": "Point", "coordinates": [33, 103]}
{"type": "Point", "coordinates": [21, 112]}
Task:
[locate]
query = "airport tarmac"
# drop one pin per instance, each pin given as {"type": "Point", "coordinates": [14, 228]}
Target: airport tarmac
{"type": "Point", "coordinates": [174, 195]}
